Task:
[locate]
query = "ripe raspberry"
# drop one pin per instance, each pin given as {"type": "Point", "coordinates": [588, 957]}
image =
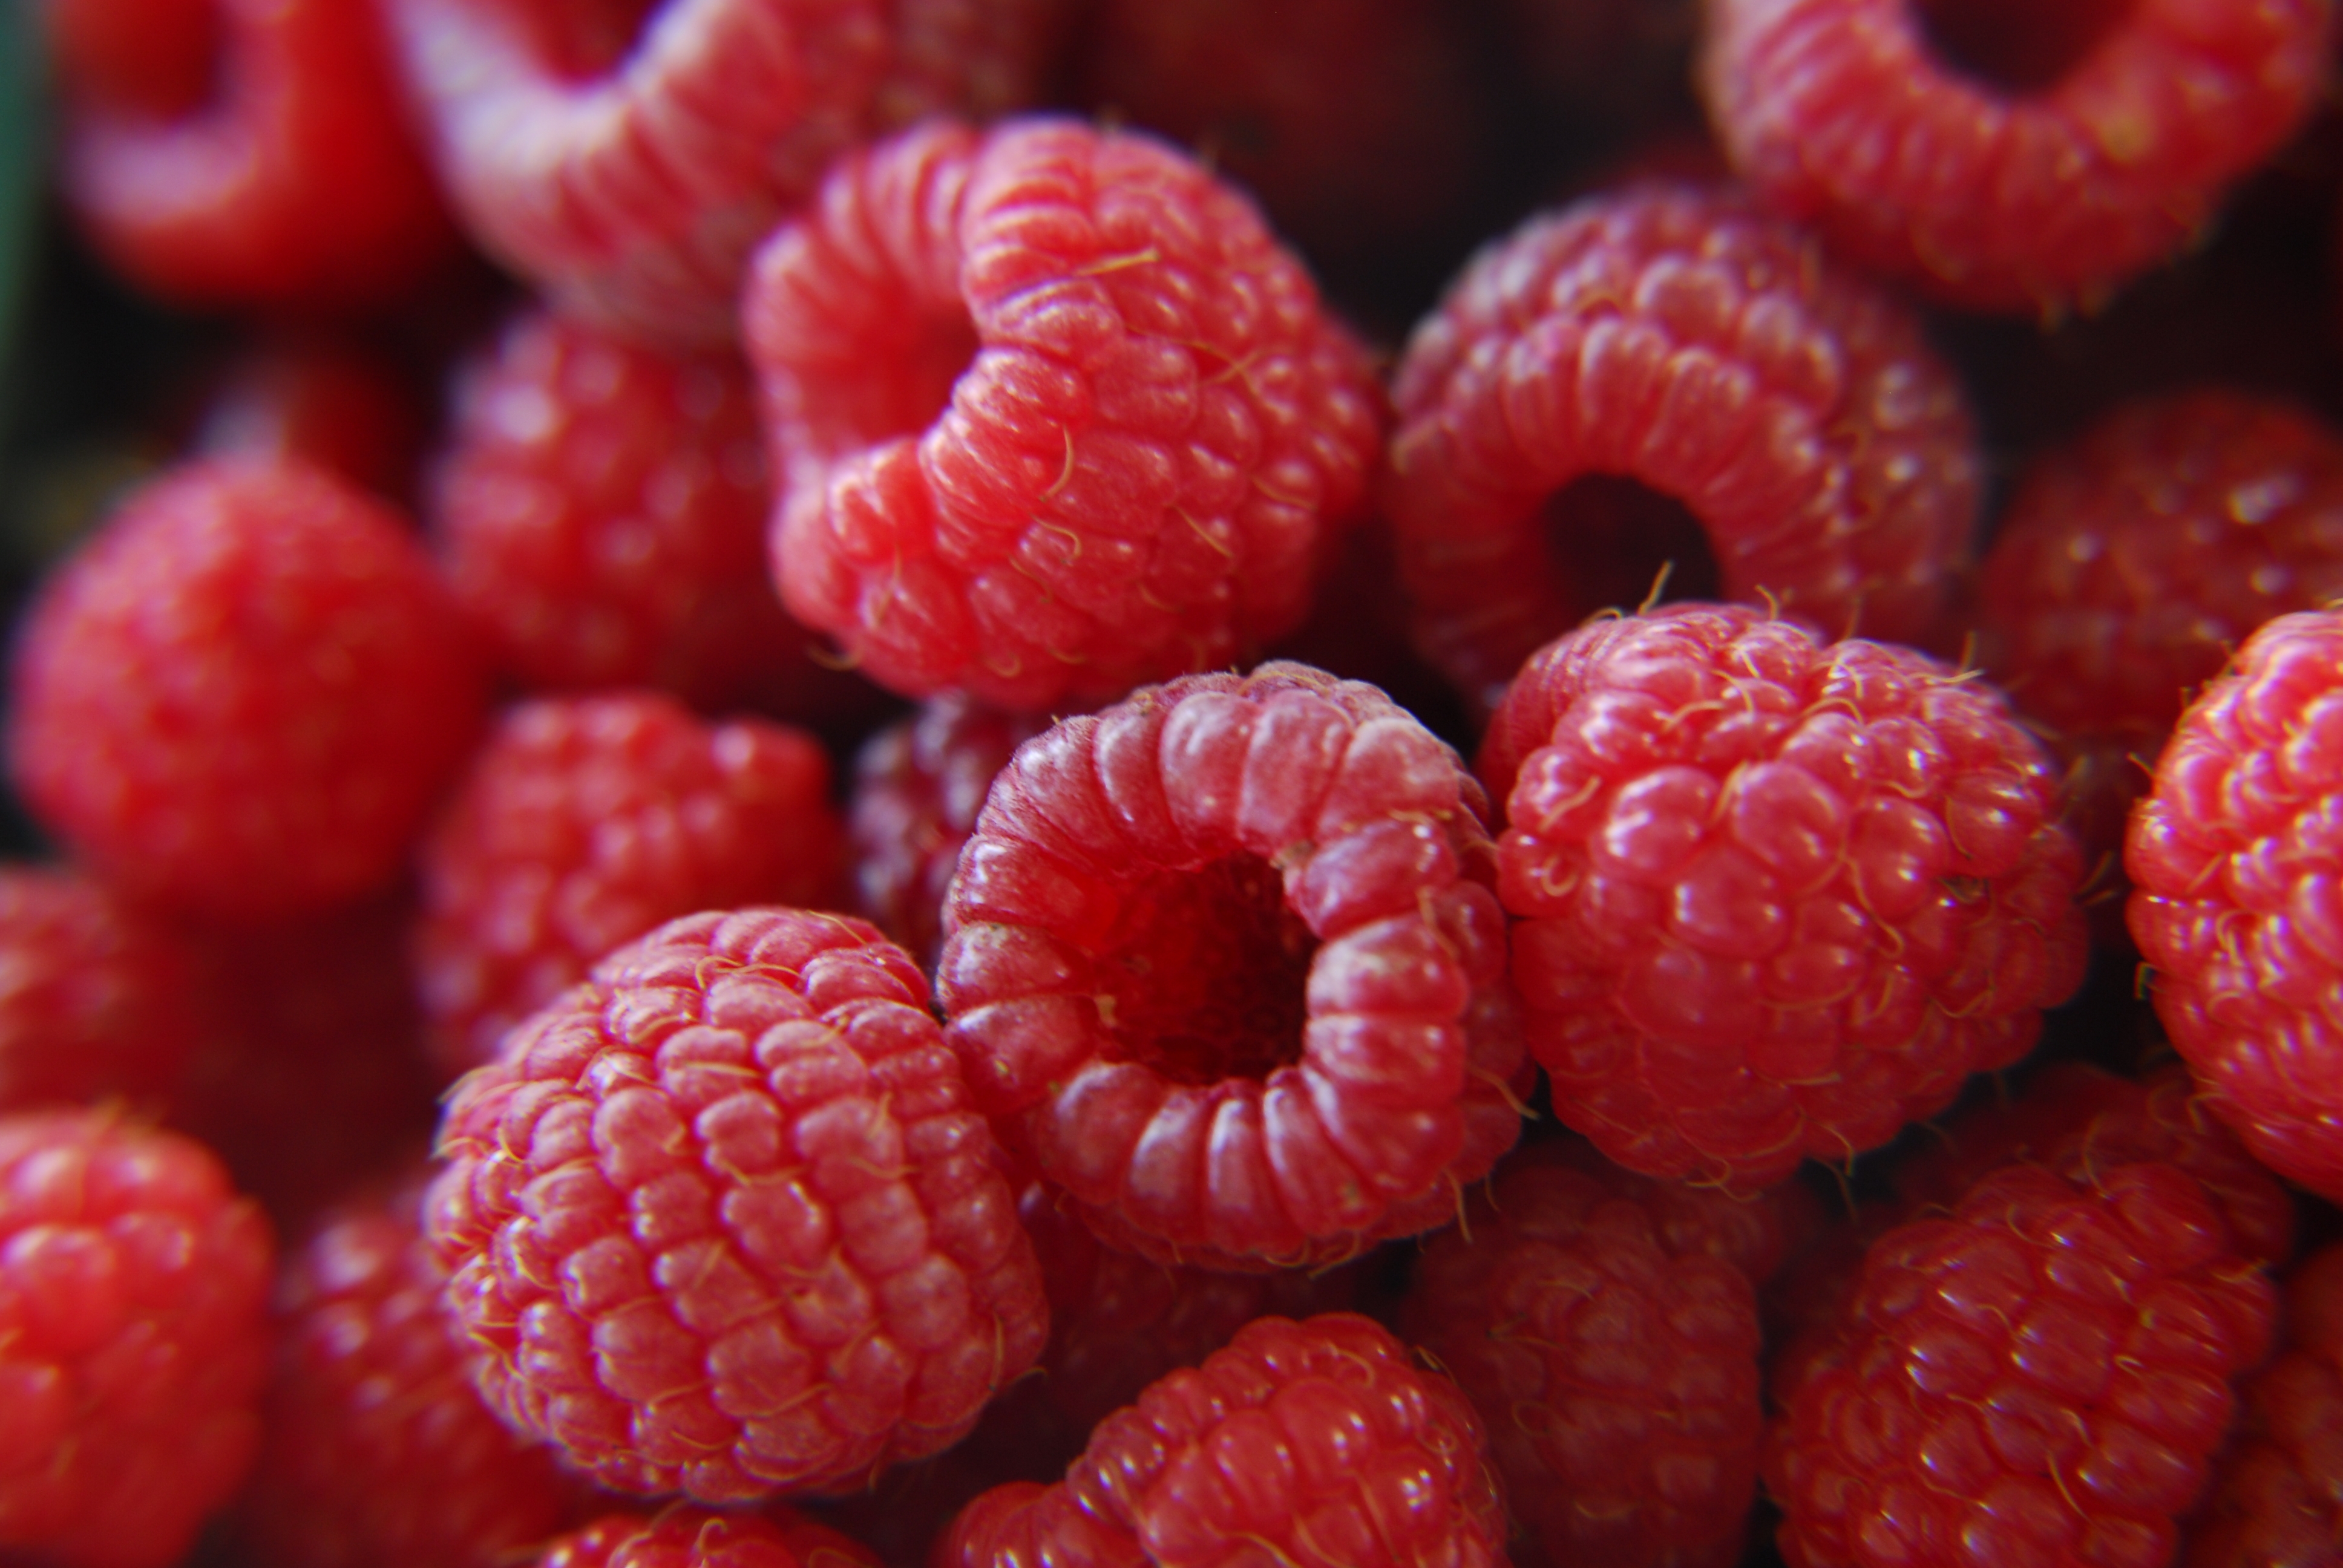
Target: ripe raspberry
{"type": "Point", "coordinates": [1226, 957]}
{"type": "Point", "coordinates": [2237, 902]}
{"type": "Point", "coordinates": [1774, 898]}
{"type": "Point", "coordinates": [243, 696]}
{"type": "Point", "coordinates": [133, 1340]}
{"type": "Point", "coordinates": [1675, 337]}
{"type": "Point", "coordinates": [331, 401]}
{"type": "Point", "coordinates": [722, 1219]}
{"type": "Point", "coordinates": [1056, 415]}
{"type": "Point", "coordinates": [919, 785]}
{"type": "Point", "coordinates": [1316, 1444]}
{"type": "Point", "coordinates": [2277, 1499]}
{"type": "Point", "coordinates": [260, 156]}
{"type": "Point", "coordinates": [601, 511]}
{"type": "Point", "coordinates": [2051, 156]}
{"type": "Point", "coordinates": [1616, 1368]}
{"type": "Point", "coordinates": [686, 1537]}
{"type": "Point", "coordinates": [378, 1451]}
{"type": "Point", "coordinates": [626, 158]}
{"type": "Point", "coordinates": [583, 823]}
{"type": "Point", "coordinates": [2040, 1376]}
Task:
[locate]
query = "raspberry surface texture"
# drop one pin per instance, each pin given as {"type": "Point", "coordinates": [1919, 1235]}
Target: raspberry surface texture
{"type": "Point", "coordinates": [722, 1221]}
{"type": "Point", "coordinates": [2236, 860]}
{"type": "Point", "coordinates": [1316, 1443]}
{"type": "Point", "coordinates": [245, 153]}
{"type": "Point", "coordinates": [625, 159]}
{"type": "Point", "coordinates": [2075, 147]}
{"type": "Point", "coordinates": [686, 1537]}
{"type": "Point", "coordinates": [1055, 414]}
{"type": "Point", "coordinates": [1774, 898]}
{"type": "Point", "coordinates": [586, 821]}
{"type": "Point", "coordinates": [2043, 1375]}
{"type": "Point", "coordinates": [1226, 959]}
{"type": "Point", "coordinates": [1677, 338]}
{"type": "Point", "coordinates": [242, 698]}
{"type": "Point", "coordinates": [133, 1339]}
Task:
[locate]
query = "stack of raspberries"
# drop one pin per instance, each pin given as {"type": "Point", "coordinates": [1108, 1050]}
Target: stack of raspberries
{"type": "Point", "coordinates": [1224, 784]}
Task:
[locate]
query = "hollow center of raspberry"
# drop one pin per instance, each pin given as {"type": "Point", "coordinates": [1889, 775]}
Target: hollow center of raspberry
{"type": "Point", "coordinates": [1204, 980]}
{"type": "Point", "coordinates": [583, 39]}
{"type": "Point", "coordinates": [1614, 536]}
{"type": "Point", "coordinates": [2019, 46]}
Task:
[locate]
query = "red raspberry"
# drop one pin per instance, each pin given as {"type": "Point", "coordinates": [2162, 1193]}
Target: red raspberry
{"type": "Point", "coordinates": [259, 156]}
{"type": "Point", "coordinates": [330, 401]}
{"type": "Point", "coordinates": [722, 1221]}
{"type": "Point", "coordinates": [2040, 1376]}
{"type": "Point", "coordinates": [626, 157]}
{"type": "Point", "coordinates": [2277, 1494]}
{"type": "Point", "coordinates": [242, 698]}
{"type": "Point", "coordinates": [1316, 1445]}
{"type": "Point", "coordinates": [686, 1537]}
{"type": "Point", "coordinates": [94, 996]}
{"type": "Point", "coordinates": [134, 1339]}
{"type": "Point", "coordinates": [1676, 338]}
{"type": "Point", "coordinates": [1057, 415]}
{"type": "Point", "coordinates": [1774, 898]}
{"type": "Point", "coordinates": [2054, 153]}
{"type": "Point", "coordinates": [583, 823]}
{"type": "Point", "coordinates": [919, 785]}
{"type": "Point", "coordinates": [1226, 956]}
{"type": "Point", "coordinates": [2234, 860]}
{"type": "Point", "coordinates": [1616, 1367]}
{"type": "Point", "coordinates": [601, 510]}
{"type": "Point", "coordinates": [379, 1453]}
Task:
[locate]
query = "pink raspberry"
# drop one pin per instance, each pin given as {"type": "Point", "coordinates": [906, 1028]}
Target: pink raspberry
{"type": "Point", "coordinates": [1224, 957]}
{"type": "Point", "coordinates": [243, 697]}
{"type": "Point", "coordinates": [626, 158]}
{"type": "Point", "coordinates": [686, 1537]}
{"type": "Point", "coordinates": [1656, 352]}
{"type": "Point", "coordinates": [722, 1221]}
{"type": "Point", "coordinates": [583, 823]}
{"type": "Point", "coordinates": [134, 1339]}
{"type": "Point", "coordinates": [2237, 902]}
{"type": "Point", "coordinates": [2024, 158]}
{"type": "Point", "coordinates": [1774, 898]}
{"type": "Point", "coordinates": [1056, 415]}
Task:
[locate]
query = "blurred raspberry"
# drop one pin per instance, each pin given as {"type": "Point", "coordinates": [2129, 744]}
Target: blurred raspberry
{"type": "Point", "coordinates": [332, 401]}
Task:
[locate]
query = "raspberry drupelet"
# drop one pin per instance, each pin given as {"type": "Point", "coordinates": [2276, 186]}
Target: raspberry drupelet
{"type": "Point", "coordinates": [1774, 898]}
{"type": "Point", "coordinates": [1678, 340]}
{"type": "Point", "coordinates": [242, 698]}
{"type": "Point", "coordinates": [2002, 156]}
{"type": "Point", "coordinates": [686, 1537]}
{"type": "Point", "coordinates": [626, 158]}
{"type": "Point", "coordinates": [586, 821]}
{"type": "Point", "coordinates": [133, 1339]}
{"type": "Point", "coordinates": [2236, 858]}
{"type": "Point", "coordinates": [1224, 958]}
{"type": "Point", "coordinates": [722, 1221]}
{"type": "Point", "coordinates": [1317, 1444]}
{"type": "Point", "coordinates": [1054, 415]}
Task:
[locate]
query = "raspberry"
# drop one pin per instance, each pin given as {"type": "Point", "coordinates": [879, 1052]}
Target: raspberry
{"type": "Point", "coordinates": [2277, 1493]}
{"type": "Point", "coordinates": [1055, 413]}
{"type": "Point", "coordinates": [94, 996]}
{"type": "Point", "coordinates": [257, 157]}
{"type": "Point", "coordinates": [2042, 1375]}
{"type": "Point", "coordinates": [2236, 899]}
{"type": "Point", "coordinates": [1226, 957]}
{"type": "Point", "coordinates": [1675, 337]}
{"type": "Point", "coordinates": [626, 158]}
{"type": "Point", "coordinates": [919, 785]}
{"type": "Point", "coordinates": [328, 400]}
{"type": "Point", "coordinates": [601, 511]}
{"type": "Point", "coordinates": [2064, 150]}
{"type": "Point", "coordinates": [721, 1221]}
{"type": "Point", "coordinates": [1313, 1443]}
{"type": "Point", "coordinates": [243, 696]}
{"type": "Point", "coordinates": [1774, 898]}
{"type": "Point", "coordinates": [133, 1339]}
{"type": "Point", "coordinates": [1616, 1369]}
{"type": "Point", "coordinates": [686, 1537]}
{"type": "Point", "coordinates": [583, 823]}
{"type": "Point", "coordinates": [379, 1453]}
